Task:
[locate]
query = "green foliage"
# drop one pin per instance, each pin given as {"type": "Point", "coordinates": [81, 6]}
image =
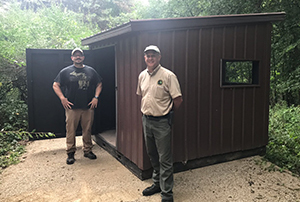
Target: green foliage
{"type": "Point", "coordinates": [189, 8]}
{"type": "Point", "coordinates": [12, 145]}
{"type": "Point", "coordinates": [13, 108]}
{"type": "Point", "coordinates": [48, 27]}
{"type": "Point", "coordinates": [98, 13]}
{"type": "Point", "coordinates": [12, 77]}
{"type": "Point", "coordinates": [155, 9]}
{"type": "Point", "coordinates": [13, 114]}
{"type": "Point", "coordinates": [10, 149]}
{"type": "Point", "coordinates": [239, 72]}
{"type": "Point", "coordinates": [284, 137]}
{"type": "Point", "coordinates": [171, 9]}
{"type": "Point", "coordinates": [285, 66]}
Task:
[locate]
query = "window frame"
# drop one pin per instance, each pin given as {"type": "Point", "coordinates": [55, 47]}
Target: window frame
{"type": "Point", "coordinates": [255, 74]}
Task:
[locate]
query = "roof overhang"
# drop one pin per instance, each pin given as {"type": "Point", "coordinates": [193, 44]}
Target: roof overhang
{"type": "Point", "coordinates": [182, 23]}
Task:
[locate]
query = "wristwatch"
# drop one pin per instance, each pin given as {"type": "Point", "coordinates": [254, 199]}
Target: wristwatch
{"type": "Point", "coordinates": [96, 97]}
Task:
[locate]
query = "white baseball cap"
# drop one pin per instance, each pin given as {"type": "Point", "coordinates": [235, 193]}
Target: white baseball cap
{"type": "Point", "coordinates": [152, 48]}
{"type": "Point", "coordinates": [77, 49]}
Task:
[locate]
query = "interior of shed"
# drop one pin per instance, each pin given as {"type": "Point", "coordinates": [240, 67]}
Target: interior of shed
{"type": "Point", "coordinates": [105, 115]}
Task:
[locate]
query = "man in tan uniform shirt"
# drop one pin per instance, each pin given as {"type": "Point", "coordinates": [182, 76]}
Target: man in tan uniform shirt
{"type": "Point", "coordinates": [160, 91]}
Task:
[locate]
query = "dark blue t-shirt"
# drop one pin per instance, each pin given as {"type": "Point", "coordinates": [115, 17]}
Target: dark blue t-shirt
{"type": "Point", "coordinates": [78, 85]}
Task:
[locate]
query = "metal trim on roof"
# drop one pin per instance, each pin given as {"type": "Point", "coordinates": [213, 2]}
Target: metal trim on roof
{"type": "Point", "coordinates": [186, 22]}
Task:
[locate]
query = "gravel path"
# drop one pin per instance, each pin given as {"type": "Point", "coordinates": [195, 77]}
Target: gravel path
{"type": "Point", "coordinates": [43, 175]}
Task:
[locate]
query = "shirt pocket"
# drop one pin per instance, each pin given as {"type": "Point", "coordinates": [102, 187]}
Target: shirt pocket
{"type": "Point", "coordinates": [159, 92]}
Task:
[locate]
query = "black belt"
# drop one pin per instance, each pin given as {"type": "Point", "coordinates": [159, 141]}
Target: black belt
{"type": "Point", "coordinates": [157, 117]}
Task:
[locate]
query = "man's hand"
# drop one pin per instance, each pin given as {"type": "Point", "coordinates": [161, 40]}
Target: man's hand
{"type": "Point", "coordinates": [94, 103]}
{"type": "Point", "coordinates": [64, 101]}
{"type": "Point", "coordinates": [66, 104]}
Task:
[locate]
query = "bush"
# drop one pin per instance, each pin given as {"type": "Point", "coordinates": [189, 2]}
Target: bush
{"type": "Point", "coordinates": [13, 110]}
{"type": "Point", "coordinates": [12, 145]}
{"type": "Point", "coordinates": [13, 115]}
{"type": "Point", "coordinates": [284, 137]}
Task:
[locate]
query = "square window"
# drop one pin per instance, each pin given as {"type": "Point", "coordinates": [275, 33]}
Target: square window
{"type": "Point", "coordinates": [239, 72]}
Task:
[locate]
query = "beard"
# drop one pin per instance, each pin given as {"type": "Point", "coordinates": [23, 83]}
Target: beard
{"type": "Point", "coordinates": [78, 62]}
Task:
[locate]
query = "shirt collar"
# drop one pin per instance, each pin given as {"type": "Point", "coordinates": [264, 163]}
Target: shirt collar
{"type": "Point", "coordinates": [154, 71]}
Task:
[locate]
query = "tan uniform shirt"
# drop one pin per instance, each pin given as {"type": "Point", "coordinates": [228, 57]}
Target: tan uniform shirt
{"type": "Point", "coordinates": [158, 90]}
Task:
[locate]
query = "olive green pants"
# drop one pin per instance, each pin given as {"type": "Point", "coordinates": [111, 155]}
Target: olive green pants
{"type": "Point", "coordinates": [158, 144]}
{"type": "Point", "coordinates": [86, 118]}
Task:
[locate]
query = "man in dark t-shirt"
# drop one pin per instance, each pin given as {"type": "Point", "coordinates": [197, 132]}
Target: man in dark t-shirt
{"type": "Point", "coordinates": [83, 86]}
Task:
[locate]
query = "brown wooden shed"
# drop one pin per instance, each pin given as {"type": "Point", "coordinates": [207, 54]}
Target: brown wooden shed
{"type": "Point", "coordinates": [223, 66]}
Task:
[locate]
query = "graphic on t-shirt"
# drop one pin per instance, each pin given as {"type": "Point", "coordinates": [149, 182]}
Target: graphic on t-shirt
{"type": "Point", "coordinates": [83, 82]}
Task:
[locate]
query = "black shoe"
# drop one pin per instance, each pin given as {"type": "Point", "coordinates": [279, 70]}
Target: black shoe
{"type": "Point", "coordinates": [151, 190]}
{"type": "Point", "coordinates": [90, 155]}
{"type": "Point", "coordinates": [167, 200]}
{"type": "Point", "coordinates": [71, 159]}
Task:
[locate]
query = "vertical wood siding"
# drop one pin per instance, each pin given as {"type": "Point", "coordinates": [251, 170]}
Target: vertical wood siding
{"type": "Point", "coordinates": [130, 140]}
{"type": "Point", "coordinates": [212, 120]}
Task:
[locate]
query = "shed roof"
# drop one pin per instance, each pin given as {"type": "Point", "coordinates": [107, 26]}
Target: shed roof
{"type": "Point", "coordinates": [180, 23]}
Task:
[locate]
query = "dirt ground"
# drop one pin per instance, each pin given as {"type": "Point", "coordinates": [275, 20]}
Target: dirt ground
{"type": "Point", "coordinates": [43, 175]}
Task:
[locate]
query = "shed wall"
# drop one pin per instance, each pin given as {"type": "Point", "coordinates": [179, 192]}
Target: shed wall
{"type": "Point", "coordinates": [130, 140]}
{"type": "Point", "coordinates": [212, 120]}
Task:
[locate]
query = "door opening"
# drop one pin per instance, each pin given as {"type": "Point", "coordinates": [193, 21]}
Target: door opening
{"type": "Point", "coordinates": [105, 115]}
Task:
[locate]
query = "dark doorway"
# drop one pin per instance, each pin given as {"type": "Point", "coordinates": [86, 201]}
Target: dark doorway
{"type": "Point", "coordinates": [45, 111]}
{"type": "Point", "coordinates": [105, 116]}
